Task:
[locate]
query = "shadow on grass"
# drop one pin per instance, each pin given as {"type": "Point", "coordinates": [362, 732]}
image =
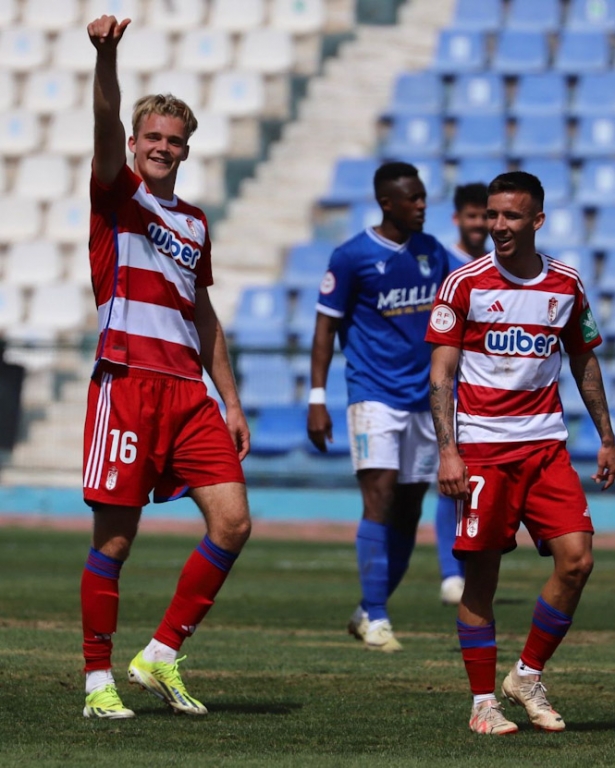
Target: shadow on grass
{"type": "Point", "coordinates": [263, 708]}
{"type": "Point", "coordinates": [511, 601]}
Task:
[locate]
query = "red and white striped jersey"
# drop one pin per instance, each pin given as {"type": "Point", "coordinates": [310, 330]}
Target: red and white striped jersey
{"type": "Point", "coordinates": [147, 256]}
{"type": "Point", "coordinates": [511, 333]}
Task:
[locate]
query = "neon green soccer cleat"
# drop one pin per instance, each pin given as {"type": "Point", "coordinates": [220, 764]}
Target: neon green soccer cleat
{"type": "Point", "coordinates": [106, 702]}
{"type": "Point", "coordinates": [163, 680]}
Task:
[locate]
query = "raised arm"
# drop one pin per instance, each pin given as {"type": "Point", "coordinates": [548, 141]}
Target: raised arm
{"type": "Point", "coordinates": [586, 371]}
{"type": "Point", "coordinates": [319, 426]}
{"type": "Point", "coordinates": [216, 361]}
{"type": "Point", "coordinates": [109, 136]}
{"type": "Point", "coordinates": [453, 474]}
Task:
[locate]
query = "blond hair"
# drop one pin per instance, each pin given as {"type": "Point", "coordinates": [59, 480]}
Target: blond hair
{"type": "Point", "coordinates": [163, 104]}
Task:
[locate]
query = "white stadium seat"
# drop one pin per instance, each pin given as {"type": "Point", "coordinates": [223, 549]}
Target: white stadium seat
{"type": "Point", "coordinates": [43, 177]}
{"type": "Point", "coordinates": [149, 51]}
{"type": "Point", "coordinates": [79, 266]}
{"type": "Point", "coordinates": [31, 347]}
{"type": "Point", "coordinates": [131, 88]}
{"type": "Point", "coordinates": [204, 50]}
{"type": "Point", "coordinates": [58, 306]}
{"type": "Point", "coordinates": [183, 85]}
{"type": "Point", "coordinates": [121, 9]}
{"type": "Point", "coordinates": [2, 176]}
{"type": "Point", "coordinates": [33, 262]}
{"type": "Point", "coordinates": [11, 305]}
{"type": "Point", "coordinates": [73, 50]}
{"type": "Point", "coordinates": [8, 90]}
{"type": "Point", "coordinates": [267, 50]}
{"type": "Point", "coordinates": [8, 12]}
{"type": "Point", "coordinates": [71, 132]}
{"type": "Point", "coordinates": [20, 132]}
{"type": "Point", "coordinates": [237, 15]}
{"type": "Point", "coordinates": [237, 94]}
{"type": "Point", "coordinates": [22, 49]}
{"type": "Point", "coordinates": [50, 90]}
{"type": "Point", "coordinates": [213, 137]}
{"type": "Point", "coordinates": [299, 18]}
{"type": "Point", "coordinates": [50, 16]}
{"type": "Point", "coordinates": [19, 219]}
{"type": "Point", "coordinates": [83, 174]}
{"type": "Point", "coordinates": [68, 220]}
{"type": "Point", "coordinates": [192, 181]}
{"type": "Point", "coordinates": [176, 16]}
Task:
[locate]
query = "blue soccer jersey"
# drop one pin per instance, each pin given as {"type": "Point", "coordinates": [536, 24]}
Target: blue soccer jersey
{"type": "Point", "coordinates": [384, 292]}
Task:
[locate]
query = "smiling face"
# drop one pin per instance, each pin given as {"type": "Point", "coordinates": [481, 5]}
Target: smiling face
{"type": "Point", "coordinates": [159, 146]}
{"type": "Point", "coordinates": [513, 219]}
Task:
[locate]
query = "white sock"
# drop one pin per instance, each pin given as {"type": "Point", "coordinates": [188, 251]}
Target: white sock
{"type": "Point", "coordinates": [98, 679]}
{"type": "Point", "coordinates": [377, 623]}
{"type": "Point", "coordinates": [524, 671]}
{"type": "Point", "coordinates": [482, 697]}
{"type": "Point", "coordinates": [156, 651]}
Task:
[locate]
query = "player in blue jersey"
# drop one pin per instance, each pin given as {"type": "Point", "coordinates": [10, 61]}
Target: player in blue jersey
{"type": "Point", "coordinates": [470, 217]}
{"type": "Point", "coordinates": [377, 296]}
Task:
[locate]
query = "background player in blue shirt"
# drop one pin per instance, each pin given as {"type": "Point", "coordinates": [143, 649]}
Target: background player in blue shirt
{"type": "Point", "coordinates": [377, 295]}
{"type": "Point", "coordinates": [470, 201]}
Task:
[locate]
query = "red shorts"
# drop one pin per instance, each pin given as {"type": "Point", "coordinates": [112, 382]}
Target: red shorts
{"type": "Point", "coordinates": [542, 491]}
{"type": "Point", "coordinates": [146, 431]}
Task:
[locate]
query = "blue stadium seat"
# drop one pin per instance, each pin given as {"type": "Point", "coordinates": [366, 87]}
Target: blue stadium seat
{"type": "Point", "coordinates": [480, 93]}
{"type": "Point", "coordinates": [273, 388]}
{"type": "Point", "coordinates": [478, 136]}
{"type": "Point", "coordinates": [341, 442]}
{"type": "Point", "coordinates": [540, 94]}
{"type": "Point", "coordinates": [564, 227]}
{"type": "Point", "coordinates": [479, 15]}
{"type": "Point", "coordinates": [352, 181]}
{"type": "Point", "coordinates": [539, 135]}
{"type": "Point", "coordinates": [585, 442]}
{"type": "Point", "coordinates": [555, 176]}
{"type": "Point", "coordinates": [363, 215]}
{"type": "Point", "coordinates": [260, 318]}
{"type": "Point", "coordinates": [460, 51]}
{"type": "Point", "coordinates": [607, 273]}
{"type": "Point", "coordinates": [303, 317]}
{"type": "Point", "coordinates": [602, 236]}
{"type": "Point", "coordinates": [594, 95]}
{"type": "Point", "coordinates": [473, 169]}
{"type": "Point", "coordinates": [415, 136]}
{"type": "Point", "coordinates": [529, 15]}
{"type": "Point", "coordinates": [596, 183]}
{"type": "Point", "coordinates": [589, 14]}
{"type": "Point", "coordinates": [439, 223]}
{"type": "Point", "coordinates": [581, 52]}
{"type": "Point", "coordinates": [261, 363]}
{"type": "Point", "coordinates": [431, 173]}
{"type": "Point", "coordinates": [337, 391]}
{"type": "Point", "coordinates": [569, 395]}
{"type": "Point", "coordinates": [415, 93]}
{"type": "Point", "coordinates": [520, 53]}
{"type": "Point", "coordinates": [595, 137]}
{"type": "Point", "coordinates": [580, 258]}
{"type": "Point", "coordinates": [278, 429]}
{"type": "Point", "coordinates": [306, 263]}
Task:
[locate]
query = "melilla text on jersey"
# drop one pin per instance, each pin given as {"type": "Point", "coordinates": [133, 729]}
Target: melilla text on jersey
{"type": "Point", "coordinates": [404, 301]}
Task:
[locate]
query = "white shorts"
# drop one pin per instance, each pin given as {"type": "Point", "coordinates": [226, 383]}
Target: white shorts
{"type": "Point", "coordinates": [384, 438]}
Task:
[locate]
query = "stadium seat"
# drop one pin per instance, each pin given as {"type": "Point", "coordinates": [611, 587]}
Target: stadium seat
{"type": "Point", "coordinates": [57, 306]}
{"type": "Point", "coordinates": [274, 389]}
{"type": "Point", "coordinates": [564, 227]}
{"type": "Point", "coordinates": [24, 49]}
{"type": "Point", "coordinates": [204, 50]}
{"type": "Point", "coordinates": [20, 132]}
{"type": "Point", "coordinates": [71, 132]}
{"type": "Point", "coordinates": [519, 53]}
{"type": "Point", "coordinates": [306, 264]}
{"type": "Point", "coordinates": [585, 443]}
{"type": "Point", "coordinates": [237, 15]}
{"type": "Point", "coordinates": [260, 319]}
{"type": "Point", "coordinates": [191, 184]}
{"type": "Point", "coordinates": [460, 51]}
{"type": "Point", "coordinates": [185, 85]}
{"type": "Point", "coordinates": [12, 305]}
{"type": "Point", "coordinates": [341, 441]}
{"type": "Point", "coordinates": [602, 235]}
{"type": "Point", "coordinates": [121, 9]}
{"type": "Point", "coordinates": [34, 262]}
{"type": "Point", "coordinates": [595, 137]}
{"type": "Point", "coordinates": [267, 50]}
{"type": "Point", "coordinates": [68, 220]}
{"type": "Point", "coordinates": [479, 169]}
{"type": "Point", "coordinates": [262, 363]}
{"type": "Point", "coordinates": [607, 273]}
{"type": "Point", "coordinates": [149, 51]}
{"type": "Point", "coordinates": [569, 395]}
{"type": "Point", "coordinates": [8, 12]}
{"type": "Point", "coordinates": [73, 51]}
{"type": "Point", "coordinates": [416, 93]}
{"type": "Point", "coordinates": [580, 258]}
{"type": "Point", "coordinates": [213, 136]}
{"type": "Point", "coordinates": [298, 18]}
{"type": "Point", "coordinates": [50, 90]}
{"type": "Point", "coordinates": [43, 177]}
{"type": "Point", "coordinates": [587, 15]}
{"type": "Point", "coordinates": [52, 17]}
{"type": "Point", "coordinates": [303, 317]}
{"type": "Point", "coordinates": [363, 215]}
{"type": "Point", "coordinates": [478, 15]}
{"type": "Point", "coordinates": [594, 95]}
{"type": "Point", "coordinates": [477, 94]}
{"type": "Point", "coordinates": [175, 17]}
{"type": "Point", "coordinates": [237, 94]}
{"type": "Point", "coordinates": [19, 219]}
{"type": "Point", "coordinates": [8, 90]}
{"type": "Point", "coordinates": [278, 429]}
{"type": "Point", "coordinates": [2, 176]}
{"type": "Point", "coordinates": [439, 223]}
{"type": "Point", "coordinates": [529, 15]}
{"type": "Point", "coordinates": [78, 266]}
{"type": "Point", "coordinates": [478, 136]}
{"type": "Point", "coordinates": [596, 183]}
{"type": "Point", "coordinates": [336, 389]}
{"type": "Point", "coordinates": [540, 94]}
{"type": "Point", "coordinates": [555, 176]}
{"type": "Point", "coordinates": [431, 173]}
{"type": "Point", "coordinates": [539, 136]}
{"type": "Point", "coordinates": [581, 52]}
{"type": "Point", "coordinates": [417, 136]}
{"type": "Point", "coordinates": [352, 181]}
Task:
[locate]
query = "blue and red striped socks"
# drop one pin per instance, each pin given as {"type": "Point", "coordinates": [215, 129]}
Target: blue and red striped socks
{"type": "Point", "coordinates": [479, 653]}
{"type": "Point", "coordinates": [549, 627]}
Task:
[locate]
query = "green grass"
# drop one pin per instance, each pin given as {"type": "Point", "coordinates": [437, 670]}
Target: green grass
{"type": "Point", "coordinates": [284, 684]}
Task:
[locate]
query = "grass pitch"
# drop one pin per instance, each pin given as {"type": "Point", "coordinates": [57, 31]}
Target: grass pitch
{"type": "Point", "coordinates": [284, 684]}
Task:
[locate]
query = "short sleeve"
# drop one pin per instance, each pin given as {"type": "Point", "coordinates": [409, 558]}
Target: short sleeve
{"type": "Point", "coordinates": [337, 285]}
{"type": "Point", "coordinates": [105, 199]}
{"type": "Point", "coordinates": [580, 334]}
{"type": "Point", "coordinates": [447, 320]}
{"type": "Point", "coordinates": [204, 276]}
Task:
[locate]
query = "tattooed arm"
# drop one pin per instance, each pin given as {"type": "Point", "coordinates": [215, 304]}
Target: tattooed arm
{"type": "Point", "coordinates": [453, 474]}
{"type": "Point", "coordinates": [586, 371]}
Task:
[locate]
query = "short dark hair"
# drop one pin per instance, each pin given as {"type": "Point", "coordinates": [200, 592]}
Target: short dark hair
{"type": "Point", "coordinates": [470, 194]}
{"type": "Point", "coordinates": [392, 172]}
{"type": "Point", "coordinates": [519, 181]}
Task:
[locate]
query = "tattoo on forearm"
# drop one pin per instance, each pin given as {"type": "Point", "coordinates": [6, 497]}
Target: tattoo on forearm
{"type": "Point", "coordinates": [443, 411]}
{"type": "Point", "coordinates": [592, 392]}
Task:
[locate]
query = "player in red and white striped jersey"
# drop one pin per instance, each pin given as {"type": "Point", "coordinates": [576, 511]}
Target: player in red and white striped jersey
{"type": "Point", "coordinates": [500, 324]}
{"type": "Point", "coordinates": [150, 424]}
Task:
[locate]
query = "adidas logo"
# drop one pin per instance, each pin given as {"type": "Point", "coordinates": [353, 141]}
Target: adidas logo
{"type": "Point", "coordinates": [496, 307]}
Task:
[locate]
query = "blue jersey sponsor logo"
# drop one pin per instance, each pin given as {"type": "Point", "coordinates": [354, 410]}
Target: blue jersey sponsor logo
{"type": "Point", "coordinates": [166, 242]}
{"type": "Point", "coordinates": [516, 341]}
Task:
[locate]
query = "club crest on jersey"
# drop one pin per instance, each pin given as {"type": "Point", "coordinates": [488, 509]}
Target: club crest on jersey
{"type": "Point", "coordinates": [472, 526]}
{"type": "Point", "coordinates": [327, 284]}
{"type": "Point", "coordinates": [191, 227]}
{"type": "Point", "coordinates": [552, 309]}
{"type": "Point", "coordinates": [589, 328]}
{"type": "Point", "coordinates": [381, 266]}
{"type": "Point", "coordinates": [423, 262]}
{"type": "Point", "coordinates": [166, 242]}
{"type": "Point", "coordinates": [111, 478]}
{"type": "Point", "coordinates": [442, 318]}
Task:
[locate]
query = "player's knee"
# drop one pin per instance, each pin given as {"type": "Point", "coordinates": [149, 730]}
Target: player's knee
{"type": "Point", "coordinates": [578, 568]}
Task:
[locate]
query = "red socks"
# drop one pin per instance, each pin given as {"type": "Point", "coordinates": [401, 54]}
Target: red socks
{"type": "Point", "coordinates": [99, 606]}
{"type": "Point", "coordinates": [479, 653]}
